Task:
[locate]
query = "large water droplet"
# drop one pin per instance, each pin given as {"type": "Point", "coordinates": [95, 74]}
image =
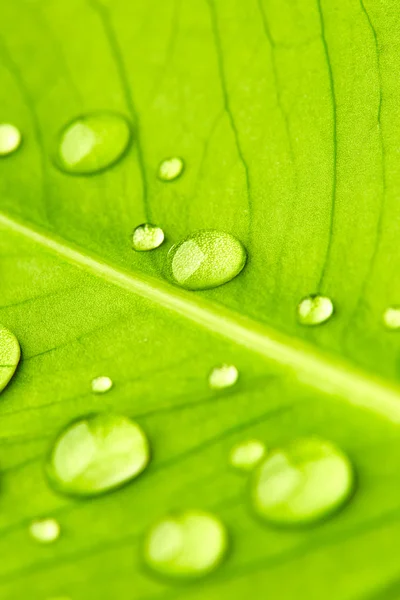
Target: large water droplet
{"type": "Point", "coordinates": [223, 376]}
{"type": "Point", "coordinates": [170, 168]}
{"type": "Point", "coordinates": [205, 259]}
{"type": "Point", "coordinates": [302, 483]}
{"type": "Point", "coordinates": [246, 455]}
{"type": "Point", "coordinates": [93, 142]}
{"type": "Point", "coordinates": [391, 317]}
{"type": "Point", "coordinates": [96, 454]}
{"type": "Point", "coordinates": [314, 310]}
{"type": "Point", "coordinates": [101, 384]}
{"type": "Point", "coordinates": [189, 544]}
{"type": "Point", "coordinates": [10, 354]}
{"type": "Point", "coordinates": [10, 139]}
{"type": "Point", "coordinates": [147, 237]}
{"type": "Point", "coordinates": [45, 530]}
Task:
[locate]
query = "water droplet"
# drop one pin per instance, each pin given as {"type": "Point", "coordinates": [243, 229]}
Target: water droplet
{"type": "Point", "coordinates": [391, 317]}
{"type": "Point", "coordinates": [189, 544]}
{"type": "Point", "coordinates": [10, 354]}
{"type": "Point", "coordinates": [205, 259]}
{"type": "Point", "coordinates": [314, 310]}
{"type": "Point", "coordinates": [223, 376]}
{"type": "Point", "coordinates": [45, 530]}
{"type": "Point", "coordinates": [170, 168]}
{"type": "Point", "coordinates": [147, 237]}
{"type": "Point", "coordinates": [302, 483]}
{"type": "Point", "coordinates": [10, 139]}
{"type": "Point", "coordinates": [102, 384]}
{"type": "Point", "coordinates": [92, 143]}
{"type": "Point", "coordinates": [246, 455]}
{"type": "Point", "coordinates": [97, 454]}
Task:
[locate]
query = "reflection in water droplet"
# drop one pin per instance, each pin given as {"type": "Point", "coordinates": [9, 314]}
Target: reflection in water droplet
{"type": "Point", "coordinates": [391, 317]}
{"type": "Point", "coordinates": [96, 454]}
{"type": "Point", "coordinates": [223, 376]}
{"type": "Point", "coordinates": [302, 483]}
{"type": "Point", "coordinates": [10, 139]}
{"type": "Point", "coordinates": [92, 143]}
{"type": "Point", "coordinates": [147, 237]}
{"type": "Point", "coordinates": [189, 544]}
{"type": "Point", "coordinates": [205, 259]}
{"type": "Point", "coordinates": [246, 455]}
{"type": "Point", "coordinates": [314, 310]}
{"type": "Point", "coordinates": [102, 384]}
{"type": "Point", "coordinates": [170, 168]}
{"type": "Point", "coordinates": [10, 354]}
{"type": "Point", "coordinates": [45, 530]}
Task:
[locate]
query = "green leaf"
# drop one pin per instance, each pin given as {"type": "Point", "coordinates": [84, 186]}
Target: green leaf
{"type": "Point", "coordinates": [286, 114]}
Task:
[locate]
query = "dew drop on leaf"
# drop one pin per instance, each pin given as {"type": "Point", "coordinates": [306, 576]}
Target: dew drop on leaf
{"type": "Point", "coordinates": [45, 530]}
{"type": "Point", "coordinates": [10, 354]}
{"type": "Point", "coordinates": [170, 168]}
{"type": "Point", "coordinates": [246, 455]}
{"type": "Point", "coordinates": [223, 376]}
{"type": "Point", "coordinates": [101, 384]}
{"type": "Point", "coordinates": [302, 483]}
{"type": "Point", "coordinates": [189, 544]}
{"type": "Point", "coordinates": [314, 310]}
{"type": "Point", "coordinates": [97, 454]}
{"type": "Point", "coordinates": [205, 259]}
{"type": "Point", "coordinates": [391, 317]}
{"type": "Point", "coordinates": [92, 143]}
{"type": "Point", "coordinates": [147, 237]}
{"type": "Point", "coordinates": [10, 139]}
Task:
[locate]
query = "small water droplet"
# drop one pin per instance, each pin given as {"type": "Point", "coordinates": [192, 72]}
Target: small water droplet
{"type": "Point", "coordinates": [223, 376]}
{"type": "Point", "coordinates": [101, 384]}
{"type": "Point", "coordinates": [45, 530]}
{"type": "Point", "coordinates": [189, 544]}
{"type": "Point", "coordinates": [170, 168]}
{"type": "Point", "coordinates": [10, 139]}
{"type": "Point", "coordinates": [10, 354]}
{"type": "Point", "coordinates": [302, 483]}
{"type": "Point", "coordinates": [92, 143]}
{"type": "Point", "coordinates": [391, 317]}
{"type": "Point", "coordinates": [246, 455]}
{"type": "Point", "coordinates": [97, 454]}
{"type": "Point", "coordinates": [205, 259]}
{"type": "Point", "coordinates": [314, 310]}
{"type": "Point", "coordinates": [147, 237]}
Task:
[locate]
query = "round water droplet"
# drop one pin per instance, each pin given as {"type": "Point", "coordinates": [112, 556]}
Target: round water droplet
{"type": "Point", "coordinates": [92, 143]}
{"type": "Point", "coordinates": [45, 530]}
{"type": "Point", "coordinates": [102, 384]}
{"type": "Point", "coordinates": [246, 455]}
{"type": "Point", "coordinates": [147, 237]}
{"type": "Point", "coordinates": [170, 168]}
{"type": "Point", "coordinates": [186, 545]}
{"type": "Point", "coordinates": [97, 454]}
{"type": "Point", "coordinates": [10, 354]}
{"type": "Point", "coordinates": [314, 310]}
{"type": "Point", "coordinates": [223, 376]}
{"type": "Point", "coordinates": [10, 139]}
{"type": "Point", "coordinates": [302, 483]}
{"type": "Point", "coordinates": [205, 259]}
{"type": "Point", "coordinates": [391, 317]}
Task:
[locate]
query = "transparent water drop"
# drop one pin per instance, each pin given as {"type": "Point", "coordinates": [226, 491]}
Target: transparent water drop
{"type": "Point", "coordinates": [10, 353]}
{"type": "Point", "coordinates": [10, 139]}
{"type": "Point", "coordinates": [96, 454]}
{"type": "Point", "coordinates": [223, 376]}
{"type": "Point", "coordinates": [170, 168]}
{"type": "Point", "coordinates": [101, 384]}
{"type": "Point", "coordinates": [246, 455]}
{"type": "Point", "coordinates": [147, 237]}
{"type": "Point", "coordinates": [205, 259]}
{"type": "Point", "coordinates": [391, 317]}
{"type": "Point", "coordinates": [45, 530]}
{"type": "Point", "coordinates": [314, 310]}
{"type": "Point", "coordinates": [302, 483]}
{"type": "Point", "coordinates": [189, 544]}
{"type": "Point", "coordinates": [92, 143]}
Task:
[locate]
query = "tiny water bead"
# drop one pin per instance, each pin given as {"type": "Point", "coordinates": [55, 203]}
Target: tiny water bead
{"type": "Point", "coordinates": [170, 168]}
{"type": "Point", "coordinates": [92, 143]}
{"type": "Point", "coordinates": [147, 237]}
{"type": "Point", "coordinates": [391, 317]}
{"type": "Point", "coordinates": [314, 310]}
{"type": "Point", "coordinates": [10, 139]}
{"type": "Point", "coordinates": [223, 376]}
{"type": "Point", "coordinates": [246, 455]}
{"type": "Point", "coordinates": [101, 384]}
{"type": "Point", "coordinates": [97, 454]}
{"type": "Point", "coordinates": [45, 530]}
{"type": "Point", "coordinates": [187, 545]}
{"type": "Point", "coordinates": [302, 483]}
{"type": "Point", "coordinates": [10, 353]}
{"type": "Point", "coordinates": [205, 259]}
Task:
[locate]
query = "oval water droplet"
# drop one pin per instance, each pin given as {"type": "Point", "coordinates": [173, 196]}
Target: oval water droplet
{"type": "Point", "coordinates": [92, 143]}
{"type": "Point", "coordinates": [246, 455]}
{"type": "Point", "coordinates": [10, 354]}
{"type": "Point", "coordinates": [147, 237]}
{"type": "Point", "coordinates": [97, 454]}
{"type": "Point", "coordinates": [391, 317]}
{"type": "Point", "coordinates": [302, 483]}
{"type": "Point", "coordinates": [101, 384]}
{"type": "Point", "coordinates": [189, 544]}
{"type": "Point", "coordinates": [223, 376]}
{"type": "Point", "coordinates": [205, 259]}
{"type": "Point", "coordinates": [170, 168]}
{"type": "Point", "coordinates": [10, 139]}
{"type": "Point", "coordinates": [314, 310]}
{"type": "Point", "coordinates": [45, 530]}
